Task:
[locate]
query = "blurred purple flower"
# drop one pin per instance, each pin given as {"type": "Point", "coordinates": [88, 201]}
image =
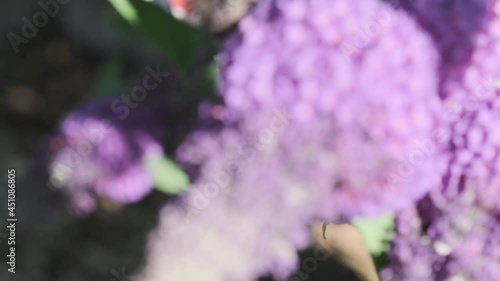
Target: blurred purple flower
{"type": "Point", "coordinates": [259, 186]}
{"type": "Point", "coordinates": [453, 237]}
{"type": "Point", "coordinates": [459, 236]}
{"type": "Point", "coordinates": [360, 78]}
{"type": "Point", "coordinates": [475, 153]}
{"type": "Point", "coordinates": [456, 27]}
{"type": "Point", "coordinates": [246, 214]}
{"type": "Point", "coordinates": [467, 34]}
{"type": "Point", "coordinates": [412, 258]}
{"type": "Point", "coordinates": [95, 154]}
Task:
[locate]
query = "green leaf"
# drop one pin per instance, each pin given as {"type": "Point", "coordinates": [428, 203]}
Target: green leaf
{"type": "Point", "coordinates": [207, 87]}
{"type": "Point", "coordinates": [167, 176]}
{"type": "Point", "coordinates": [213, 72]}
{"type": "Point", "coordinates": [126, 10]}
{"type": "Point", "coordinates": [377, 232]}
{"type": "Point", "coordinates": [109, 78]}
{"type": "Point", "coordinates": [179, 42]}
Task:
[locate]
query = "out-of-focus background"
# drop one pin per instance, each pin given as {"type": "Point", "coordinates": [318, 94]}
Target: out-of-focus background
{"type": "Point", "coordinates": [83, 50]}
{"type": "Point", "coordinates": [86, 49]}
{"type": "Point", "coordinates": [121, 120]}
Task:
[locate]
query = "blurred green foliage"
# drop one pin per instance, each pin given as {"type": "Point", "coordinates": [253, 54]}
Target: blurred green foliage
{"type": "Point", "coordinates": [377, 232]}
{"type": "Point", "coordinates": [109, 79]}
{"type": "Point", "coordinates": [167, 176]}
{"type": "Point", "coordinates": [127, 11]}
{"type": "Point", "coordinates": [180, 43]}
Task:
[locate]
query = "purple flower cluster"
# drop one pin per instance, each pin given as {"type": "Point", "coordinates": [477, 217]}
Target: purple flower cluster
{"type": "Point", "coordinates": [333, 76]}
{"type": "Point", "coordinates": [455, 236]}
{"type": "Point", "coordinates": [249, 209]}
{"type": "Point", "coordinates": [338, 147]}
{"type": "Point", "coordinates": [95, 154]}
{"type": "Point", "coordinates": [412, 256]}
{"type": "Point", "coordinates": [455, 27]}
{"type": "Point", "coordinates": [461, 220]}
{"type": "Point", "coordinates": [467, 45]}
{"type": "Point", "coordinates": [376, 116]}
